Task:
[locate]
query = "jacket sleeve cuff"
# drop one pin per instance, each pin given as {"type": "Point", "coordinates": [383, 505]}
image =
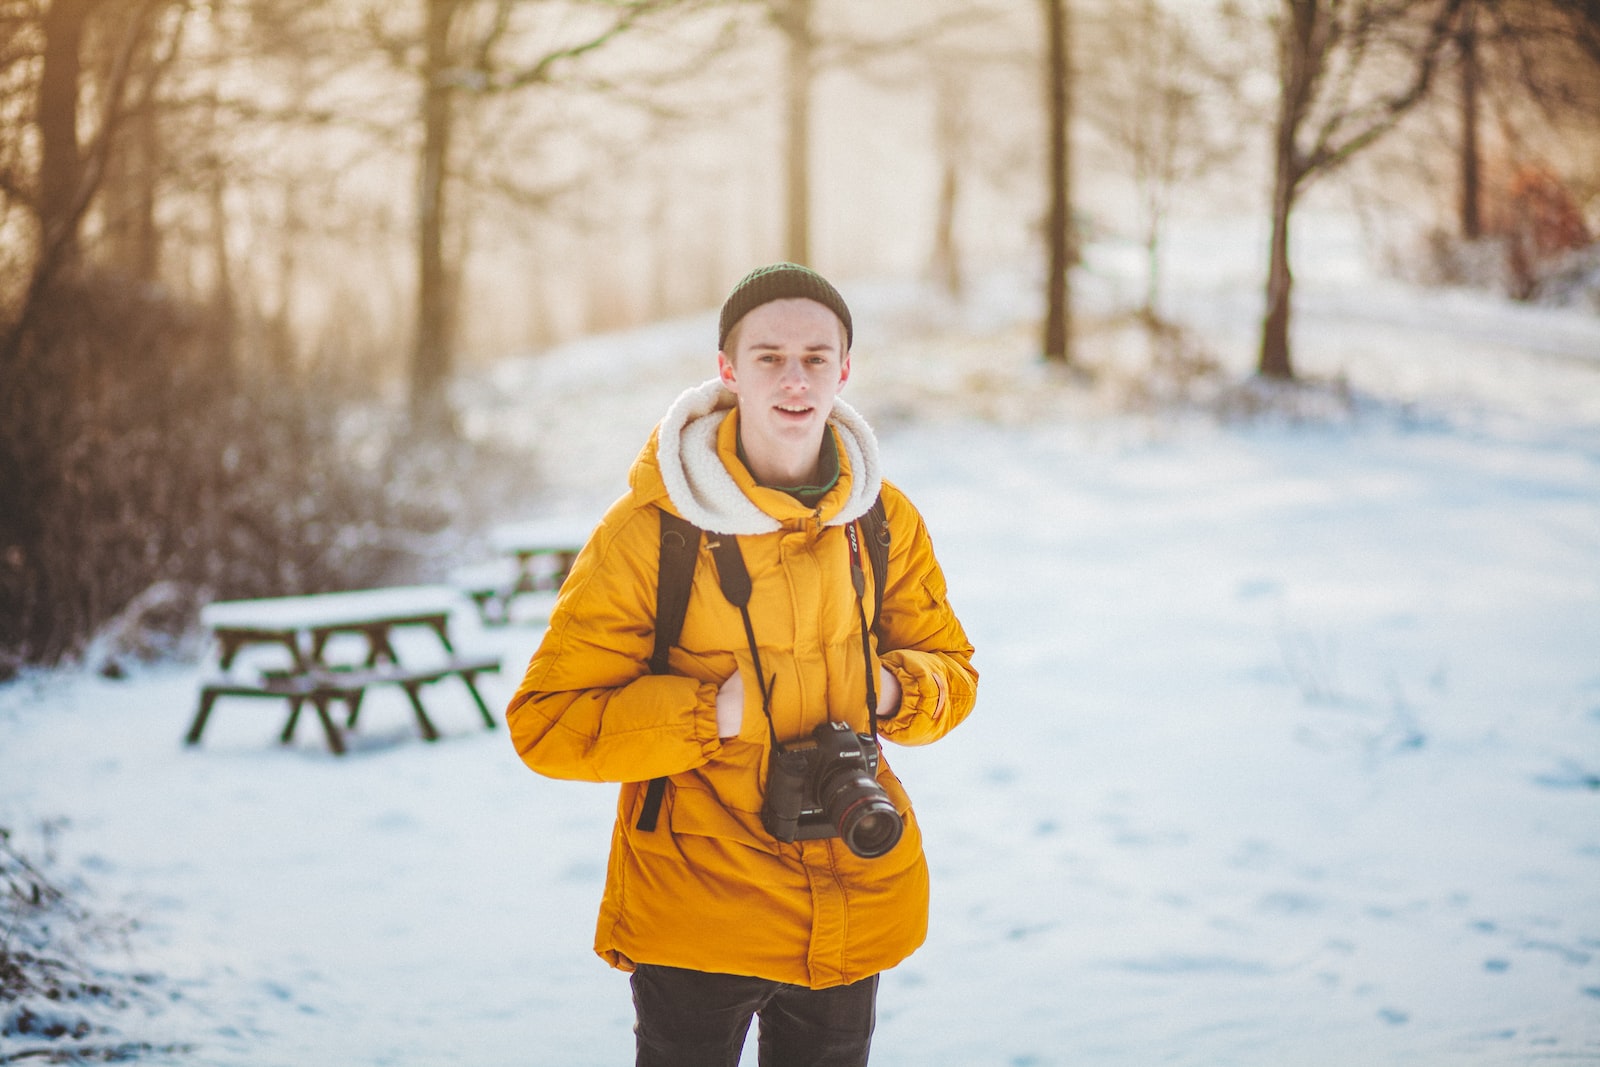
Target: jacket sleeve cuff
{"type": "Point", "coordinates": [923, 697]}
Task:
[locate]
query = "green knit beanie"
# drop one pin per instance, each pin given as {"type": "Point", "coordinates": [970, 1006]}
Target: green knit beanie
{"type": "Point", "coordinates": [781, 281]}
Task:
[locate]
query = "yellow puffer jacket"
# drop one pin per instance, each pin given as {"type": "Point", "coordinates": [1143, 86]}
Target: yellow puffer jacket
{"type": "Point", "coordinates": [709, 888]}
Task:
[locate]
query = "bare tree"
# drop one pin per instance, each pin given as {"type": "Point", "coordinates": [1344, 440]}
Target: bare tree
{"type": "Point", "coordinates": [472, 51]}
{"type": "Point", "coordinates": [952, 133]}
{"type": "Point", "coordinates": [1158, 94]}
{"type": "Point", "coordinates": [70, 166]}
{"type": "Point", "coordinates": [982, 70]}
{"type": "Point", "coordinates": [127, 201]}
{"type": "Point", "coordinates": [1538, 57]}
{"type": "Point", "coordinates": [1327, 51]}
{"type": "Point", "coordinates": [1470, 202]}
{"type": "Point", "coordinates": [431, 355]}
{"type": "Point", "coordinates": [793, 19]}
{"type": "Point", "coordinates": [815, 41]}
{"type": "Point", "coordinates": [62, 191]}
{"type": "Point", "coordinates": [1582, 18]}
{"type": "Point", "coordinates": [77, 344]}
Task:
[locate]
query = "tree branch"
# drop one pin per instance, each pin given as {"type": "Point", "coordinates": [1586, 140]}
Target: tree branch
{"type": "Point", "coordinates": [1337, 141]}
{"type": "Point", "coordinates": [541, 71]}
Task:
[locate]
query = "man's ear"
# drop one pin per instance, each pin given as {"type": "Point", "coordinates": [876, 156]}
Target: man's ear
{"type": "Point", "coordinates": [844, 368]}
{"type": "Point", "coordinates": [725, 371]}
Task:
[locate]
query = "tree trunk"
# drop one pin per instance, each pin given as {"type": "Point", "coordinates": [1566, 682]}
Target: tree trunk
{"type": "Point", "coordinates": [1153, 147]}
{"type": "Point", "coordinates": [1155, 214]}
{"type": "Point", "coordinates": [1302, 39]}
{"type": "Point", "coordinates": [431, 355]}
{"type": "Point", "coordinates": [128, 191]}
{"type": "Point", "coordinates": [946, 256]}
{"type": "Point", "coordinates": [950, 92]}
{"type": "Point", "coordinates": [795, 20]}
{"type": "Point", "coordinates": [1471, 160]}
{"type": "Point", "coordinates": [280, 323]}
{"type": "Point", "coordinates": [1059, 236]}
{"type": "Point", "coordinates": [1275, 360]}
{"type": "Point", "coordinates": [60, 163]}
{"type": "Point", "coordinates": [222, 301]}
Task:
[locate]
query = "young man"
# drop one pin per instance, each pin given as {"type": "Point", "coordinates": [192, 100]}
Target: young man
{"type": "Point", "coordinates": [718, 901]}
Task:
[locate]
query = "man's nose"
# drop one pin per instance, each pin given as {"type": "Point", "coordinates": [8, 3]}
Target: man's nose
{"type": "Point", "coordinates": [794, 375]}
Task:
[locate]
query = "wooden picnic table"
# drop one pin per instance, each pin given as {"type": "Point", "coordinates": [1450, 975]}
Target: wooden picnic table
{"type": "Point", "coordinates": [531, 557]}
{"type": "Point", "coordinates": [304, 628]}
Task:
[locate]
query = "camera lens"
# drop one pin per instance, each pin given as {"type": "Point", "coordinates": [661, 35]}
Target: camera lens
{"type": "Point", "coordinates": [871, 828]}
{"type": "Point", "coordinates": [860, 811]}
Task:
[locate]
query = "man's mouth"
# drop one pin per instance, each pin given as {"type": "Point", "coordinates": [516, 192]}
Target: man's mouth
{"type": "Point", "coordinates": [791, 409]}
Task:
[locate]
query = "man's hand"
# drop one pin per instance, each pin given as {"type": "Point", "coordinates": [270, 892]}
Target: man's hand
{"type": "Point", "coordinates": [888, 693]}
{"type": "Point", "coordinates": [730, 702]}
{"type": "Point", "coordinates": [730, 707]}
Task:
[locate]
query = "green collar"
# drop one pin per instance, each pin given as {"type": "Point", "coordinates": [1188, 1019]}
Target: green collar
{"type": "Point", "coordinates": [827, 472]}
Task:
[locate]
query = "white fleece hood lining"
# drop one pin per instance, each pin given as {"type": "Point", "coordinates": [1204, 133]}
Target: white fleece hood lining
{"type": "Point", "coordinates": [702, 490]}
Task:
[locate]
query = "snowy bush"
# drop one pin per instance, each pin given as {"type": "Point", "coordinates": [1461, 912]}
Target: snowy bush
{"type": "Point", "coordinates": [1563, 277]}
{"type": "Point", "coordinates": [1573, 280]}
{"type": "Point", "coordinates": [54, 1003]}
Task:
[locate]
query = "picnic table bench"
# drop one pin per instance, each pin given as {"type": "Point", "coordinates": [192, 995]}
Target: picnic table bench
{"type": "Point", "coordinates": [530, 557]}
{"type": "Point", "coordinates": [303, 627]}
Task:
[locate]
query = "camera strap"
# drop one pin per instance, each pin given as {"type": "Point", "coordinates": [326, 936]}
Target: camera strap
{"type": "Point", "coordinates": [735, 581]}
{"type": "Point", "coordinates": [859, 580]}
{"type": "Point", "coordinates": [680, 546]}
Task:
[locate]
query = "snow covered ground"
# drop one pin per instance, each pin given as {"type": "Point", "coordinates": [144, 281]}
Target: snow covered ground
{"type": "Point", "coordinates": [1287, 749]}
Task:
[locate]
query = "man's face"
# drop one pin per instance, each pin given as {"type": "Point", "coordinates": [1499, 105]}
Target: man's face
{"type": "Point", "coordinates": [787, 365]}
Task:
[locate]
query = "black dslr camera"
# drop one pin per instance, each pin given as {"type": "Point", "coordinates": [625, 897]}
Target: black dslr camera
{"type": "Point", "coordinates": [828, 787]}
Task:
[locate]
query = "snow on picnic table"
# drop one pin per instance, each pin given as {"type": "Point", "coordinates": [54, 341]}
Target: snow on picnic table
{"type": "Point", "coordinates": [1286, 753]}
{"type": "Point", "coordinates": [332, 609]}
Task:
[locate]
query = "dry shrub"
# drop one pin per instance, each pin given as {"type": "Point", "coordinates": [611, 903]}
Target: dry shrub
{"type": "Point", "coordinates": [139, 466]}
{"type": "Point", "coordinates": [1177, 369]}
{"type": "Point", "coordinates": [58, 1002]}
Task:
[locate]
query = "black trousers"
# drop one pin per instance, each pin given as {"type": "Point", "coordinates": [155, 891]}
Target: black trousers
{"type": "Point", "coordinates": [695, 1019]}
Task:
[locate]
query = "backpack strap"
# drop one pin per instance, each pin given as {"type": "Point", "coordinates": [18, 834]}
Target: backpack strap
{"type": "Point", "coordinates": [680, 549]}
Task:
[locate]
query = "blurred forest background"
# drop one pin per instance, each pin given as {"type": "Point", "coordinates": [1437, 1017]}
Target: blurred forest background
{"type": "Point", "coordinates": [247, 245]}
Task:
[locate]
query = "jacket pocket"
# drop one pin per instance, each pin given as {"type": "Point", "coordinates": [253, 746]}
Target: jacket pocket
{"type": "Point", "coordinates": [698, 812]}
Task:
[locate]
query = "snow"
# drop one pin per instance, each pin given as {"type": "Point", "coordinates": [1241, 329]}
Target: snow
{"type": "Point", "coordinates": [1286, 751]}
{"type": "Point", "coordinates": [330, 609]}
